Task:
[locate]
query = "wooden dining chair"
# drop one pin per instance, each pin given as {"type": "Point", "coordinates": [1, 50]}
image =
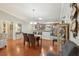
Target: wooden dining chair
{"type": "Point", "coordinates": [37, 40]}
{"type": "Point", "coordinates": [31, 39]}
{"type": "Point", "coordinates": [26, 39]}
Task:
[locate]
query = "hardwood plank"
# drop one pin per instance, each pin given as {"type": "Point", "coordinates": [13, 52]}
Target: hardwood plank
{"type": "Point", "coordinates": [16, 48]}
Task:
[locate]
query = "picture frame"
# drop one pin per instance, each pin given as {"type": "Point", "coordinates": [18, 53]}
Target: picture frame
{"type": "Point", "coordinates": [73, 17]}
{"type": "Point", "coordinates": [61, 32]}
{"type": "Point", "coordinates": [66, 31]}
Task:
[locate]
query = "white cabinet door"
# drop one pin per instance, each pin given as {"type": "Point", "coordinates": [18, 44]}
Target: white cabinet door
{"type": "Point", "coordinates": [46, 35]}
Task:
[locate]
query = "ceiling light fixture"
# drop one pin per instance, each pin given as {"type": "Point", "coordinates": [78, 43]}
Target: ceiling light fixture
{"type": "Point", "coordinates": [36, 15]}
{"type": "Point", "coordinates": [33, 12]}
{"type": "Point", "coordinates": [40, 18]}
{"type": "Point", "coordinates": [33, 22]}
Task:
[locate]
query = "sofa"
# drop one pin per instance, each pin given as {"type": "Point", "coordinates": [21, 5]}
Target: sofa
{"type": "Point", "coordinates": [68, 49]}
{"type": "Point", "coordinates": [3, 43]}
{"type": "Point", "coordinates": [3, 40]}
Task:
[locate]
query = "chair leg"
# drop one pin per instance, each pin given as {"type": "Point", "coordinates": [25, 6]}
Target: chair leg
{"type": "Point", "coordinates": [5, 46]}
{"type": "Point", "coordinates": [53, 43]}
{"type": "Point", "coordinates": [24, 43]}
{"type": "Point", "coordinates": [29, 44]}
{"type": "Point", "coordinates": [41, 43]}
{"type": "Point", "coordinates": [33, 44]}
{"type": "Point", "coordinates": [37, 43]}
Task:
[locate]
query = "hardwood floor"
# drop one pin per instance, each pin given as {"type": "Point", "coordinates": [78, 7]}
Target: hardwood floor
{"type": "Point", "coordinates": [16, 48]}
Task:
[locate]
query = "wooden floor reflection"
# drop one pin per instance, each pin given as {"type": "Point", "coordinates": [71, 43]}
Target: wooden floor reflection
{"type": "Point", "coordinates": [16, 48]}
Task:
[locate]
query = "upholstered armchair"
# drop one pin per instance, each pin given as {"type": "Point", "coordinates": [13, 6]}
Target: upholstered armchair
{"type": "Point", "coordinates": [68, 49]}
{"type": "Point", "coordinates": [3, 43]}
{"type": "Point", "coordinates": [3, 40]}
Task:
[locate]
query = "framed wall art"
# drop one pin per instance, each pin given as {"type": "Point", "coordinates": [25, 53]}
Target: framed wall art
{"type": "Point", "coordinates": [73, 17]}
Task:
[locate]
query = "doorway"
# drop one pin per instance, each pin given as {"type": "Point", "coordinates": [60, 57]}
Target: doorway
{"type": "Point", "coordinates": [10, 31]}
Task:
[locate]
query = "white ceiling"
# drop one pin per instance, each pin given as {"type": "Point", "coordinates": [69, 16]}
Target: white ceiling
{"type": "Point", "coordinates": [24, 11]}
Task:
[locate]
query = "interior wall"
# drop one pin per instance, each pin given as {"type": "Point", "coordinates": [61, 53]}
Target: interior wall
{"type": "Point", "coordinates": [76, 40]}
{"type": "Point", "coordinates": [7, 18]}
{"type": "Point", "coordinates": [27, 28]}
{"type": "Point", "coordinates": [64, 15]}
{"type": "Point", "coordinates": [66, 11]}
